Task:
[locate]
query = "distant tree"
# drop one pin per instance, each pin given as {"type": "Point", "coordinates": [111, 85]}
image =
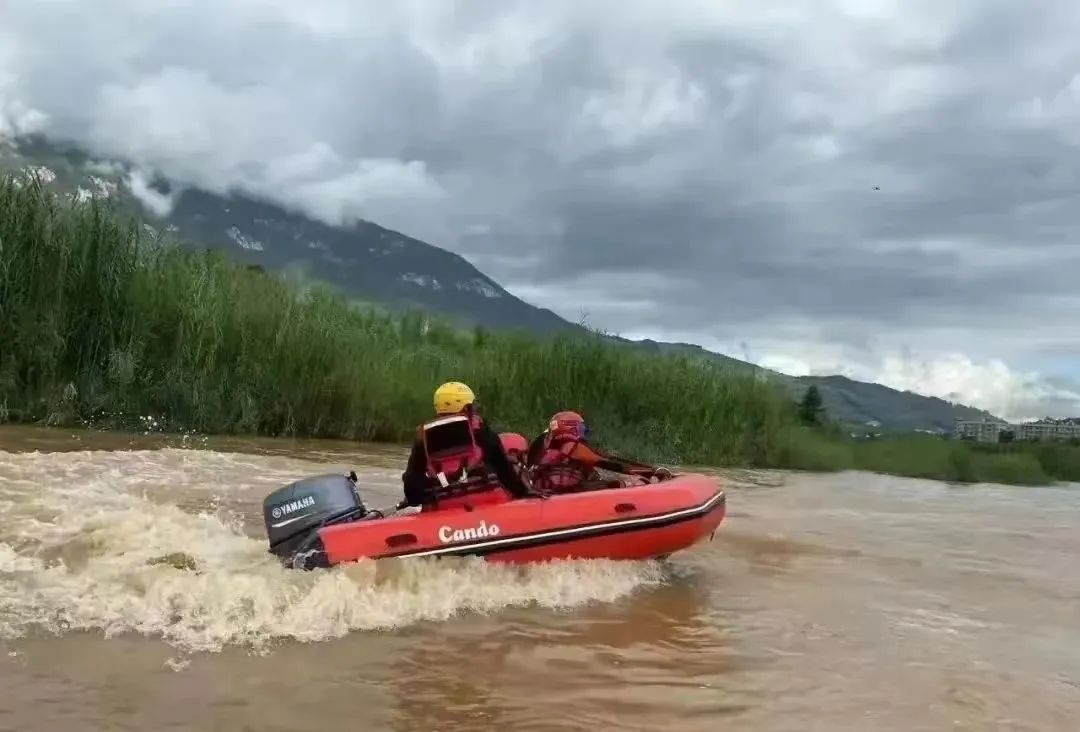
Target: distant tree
{"type": "Point", "coordinates": [811, 408]}
{"type": "Point", "coordinates": [1006, 436]}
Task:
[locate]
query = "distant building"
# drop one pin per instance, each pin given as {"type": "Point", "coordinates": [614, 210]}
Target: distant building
{"type": "Point", "coordinates": [1046, 431]}
{"type": "Point", "coordinates": [981, 430]}
{"type": "Point", "coordinates": [990, 431]}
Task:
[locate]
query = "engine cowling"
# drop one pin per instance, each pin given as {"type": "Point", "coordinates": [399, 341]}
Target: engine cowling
{"type": "Point", "coordinates": [294, 513]}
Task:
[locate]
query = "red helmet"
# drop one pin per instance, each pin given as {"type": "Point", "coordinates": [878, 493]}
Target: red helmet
{"type": "Point", "coordinates": [513, 443]}
{"type": "Point", "coordinates": [568, 424]}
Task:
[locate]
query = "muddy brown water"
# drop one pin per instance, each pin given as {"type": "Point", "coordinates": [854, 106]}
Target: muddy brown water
{"type": "Point", "coordinates": [136, 594]}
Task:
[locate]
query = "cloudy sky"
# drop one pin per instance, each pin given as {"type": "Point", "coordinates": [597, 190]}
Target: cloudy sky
{"type": "Point", "coordinates": [690, 169]}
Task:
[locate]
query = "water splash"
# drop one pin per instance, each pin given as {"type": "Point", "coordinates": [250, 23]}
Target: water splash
{"type": "Point", "coordinates": [168, 543]}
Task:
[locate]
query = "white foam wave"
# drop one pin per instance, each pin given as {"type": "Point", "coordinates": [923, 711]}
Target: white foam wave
{"type": "Point", "coordinates": [100, 541]}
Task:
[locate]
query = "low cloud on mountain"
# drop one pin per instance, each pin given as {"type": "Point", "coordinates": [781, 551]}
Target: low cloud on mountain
{"type": "Point", "coordinates": [847, 177]}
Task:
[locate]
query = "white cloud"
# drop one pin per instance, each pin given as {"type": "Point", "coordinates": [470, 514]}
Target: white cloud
{"type": "Point", "coordinates": [157, 203]}
{"type": "Point", "coordinates": [988, 384]}
{"type": "Point", "coordinates": [992, 385]}
{"type": "Point", "coordinates": [202, 133]}
{"type": "Point", "coordinates": [18, 119]}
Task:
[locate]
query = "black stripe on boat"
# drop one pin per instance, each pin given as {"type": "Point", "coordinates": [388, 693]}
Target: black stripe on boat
{"type": "Point", "coordinates": [484, 547]}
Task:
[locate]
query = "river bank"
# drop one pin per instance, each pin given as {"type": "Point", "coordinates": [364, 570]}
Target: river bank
{"type": "Point", "coordinates": [108, 327]}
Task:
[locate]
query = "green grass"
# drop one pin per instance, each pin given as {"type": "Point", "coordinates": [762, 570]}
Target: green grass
{"type": "Point", "coordinates": [101, 325]}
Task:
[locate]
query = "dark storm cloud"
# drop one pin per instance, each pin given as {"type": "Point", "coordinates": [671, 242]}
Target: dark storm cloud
{"type": "Point", "coordinates": [687, 167]}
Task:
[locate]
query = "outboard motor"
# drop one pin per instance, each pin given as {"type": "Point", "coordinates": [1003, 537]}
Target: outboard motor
{"type": "Point", "coordinates": [294, 514]}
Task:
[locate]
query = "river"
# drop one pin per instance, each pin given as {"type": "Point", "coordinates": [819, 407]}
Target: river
{"type": "Point", "coordinates": [136, 594]}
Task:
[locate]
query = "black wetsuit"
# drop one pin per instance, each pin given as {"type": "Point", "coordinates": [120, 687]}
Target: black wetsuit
{"type": "Point", "coordinates": [417, 485]}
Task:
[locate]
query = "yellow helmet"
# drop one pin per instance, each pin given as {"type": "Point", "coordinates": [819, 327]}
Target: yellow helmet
{"type": "Point", "coordinates": [452, 397]}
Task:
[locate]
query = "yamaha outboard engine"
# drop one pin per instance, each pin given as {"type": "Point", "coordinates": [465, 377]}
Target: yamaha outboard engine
{"type": "Point", "coordinates": [294, 514]}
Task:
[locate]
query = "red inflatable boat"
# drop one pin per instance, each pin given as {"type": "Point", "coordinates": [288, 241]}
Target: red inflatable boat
{"type": "Point", "coordinates": [321, 521]}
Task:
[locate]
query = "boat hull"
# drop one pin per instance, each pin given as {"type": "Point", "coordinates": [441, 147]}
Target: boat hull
{"type": "Point", "coordinates": [626, 523]}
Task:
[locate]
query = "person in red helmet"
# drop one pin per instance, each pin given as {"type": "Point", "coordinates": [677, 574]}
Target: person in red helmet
{"type": "Point", "coordinates": [561, 460]}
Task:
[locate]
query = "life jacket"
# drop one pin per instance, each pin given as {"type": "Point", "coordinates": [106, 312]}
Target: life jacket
{"type": "Point", "coordinates": [453, 456]}
{"type": "Point", "coordinates": [455, 462]}
{"type": "Point", "coordinates": [558, 470]}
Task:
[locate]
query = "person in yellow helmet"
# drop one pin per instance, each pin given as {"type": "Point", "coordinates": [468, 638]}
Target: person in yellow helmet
{"type": "Point", "coordinates": [457, 450]}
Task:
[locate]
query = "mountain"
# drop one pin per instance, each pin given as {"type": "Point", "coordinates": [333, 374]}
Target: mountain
{"type": "Point", "coordinates": [864, 406]}
{"type": "Point", "coordinates": [873, 405]}
{"type": "Point", "coordinates": [364, 260]}
{"type": "Point", "coordinates": [385, 268]}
